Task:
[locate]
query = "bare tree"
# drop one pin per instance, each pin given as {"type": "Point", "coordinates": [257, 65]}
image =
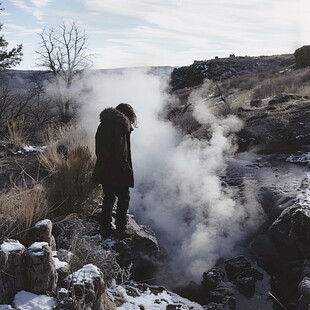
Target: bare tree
{"type": "Point", "coordinates": [64, 52]}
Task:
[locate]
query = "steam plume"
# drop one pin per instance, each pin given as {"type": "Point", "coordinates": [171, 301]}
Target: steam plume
{"type": "Point", "coordinates": [178, 190]}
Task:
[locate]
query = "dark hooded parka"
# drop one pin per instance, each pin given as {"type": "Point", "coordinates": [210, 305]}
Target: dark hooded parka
{"type": "Point", "coordinates": [113, 165]}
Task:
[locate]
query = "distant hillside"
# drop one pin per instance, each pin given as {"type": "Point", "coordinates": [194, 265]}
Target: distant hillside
{"type": "Point", "coordinates": [24, 79]}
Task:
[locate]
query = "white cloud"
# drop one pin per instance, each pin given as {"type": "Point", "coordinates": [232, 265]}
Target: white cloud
{"type": "Point", "coordinates": [37, 8]}
{"type": "Point", "coordinates": [21, 30]}
{"type": "Point", "coordinates": [20, 4]}
{"type": "Point", "coordinates": [199, 29]}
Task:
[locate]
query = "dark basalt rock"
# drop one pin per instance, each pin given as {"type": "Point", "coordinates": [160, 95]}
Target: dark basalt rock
{"type": "Point", "coordinates": [242, 274]}
{"type": "Point", "coordinates": [302, 56]}
{"type": "Point", "coordinates": [140, 250]}
{"type": "Point", "coordinates": [292, 227]}
{"type": "Point", "coordinates": [212, 278]}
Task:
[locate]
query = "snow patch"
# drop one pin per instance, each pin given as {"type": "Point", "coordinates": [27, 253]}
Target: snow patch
{"type": "Point", "coordinates": [43, 223]}
{"type": "Point", "coordinates": [33, 149]}
{"type": "Point", "coordinates": [11, 245]}
{"type": "Point", "coordinates": [59, 264]}
{"type": "Point", "coordinates": [38, 248]}
{"type": "Point", "coordinates": [85, 274]}
{"type": "Point", "coordinates": [303, 158]}
{"type": "Point", "coordinates": [28, 301]}
{"type": "Point", "coordinates": [151, 301]}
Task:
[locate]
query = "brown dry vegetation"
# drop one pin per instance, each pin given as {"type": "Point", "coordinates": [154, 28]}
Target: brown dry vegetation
{"type": "Point", "coordinates": [20, 208]}
{"type": "Point", "coordinates": [240, 90]}
{"type": "Point", "coordinates": [70, 162]}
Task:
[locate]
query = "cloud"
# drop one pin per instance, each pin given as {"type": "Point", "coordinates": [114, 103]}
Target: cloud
{"type": "Point", "coordinates": [200, 29]}
{"type": "Point", "coordinates": [37, 8]}
{"type": "Point", "coordinates": [21, 4]}
{"type": "Point", "coordinates": [21, 30]}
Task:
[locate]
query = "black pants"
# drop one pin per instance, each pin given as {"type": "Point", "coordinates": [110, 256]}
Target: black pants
{"type": "Point", "coordinates": [110, 194]}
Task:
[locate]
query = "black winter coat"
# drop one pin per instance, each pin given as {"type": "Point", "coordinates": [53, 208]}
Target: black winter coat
{"type": "Point", "coordinates": [113, 165]}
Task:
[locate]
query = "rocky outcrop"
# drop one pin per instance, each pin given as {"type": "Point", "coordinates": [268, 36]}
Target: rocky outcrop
{"type": "Point", "coordinates": [40, 270]}
{"type": "Point", "coordinates": [12, 269]}
{"type": "Point", "coordinates": [224, 68]}
{"type": "Point", "coordinates": [89, 288]}
{"type": "Point", "coordinates": [140, 250]}
{"type": "Point", "coordinates": [278, 127]}
{"type": "Point", "coordinates": [302, 56]}
{"type": "Point", "coordinates": [292, 227]}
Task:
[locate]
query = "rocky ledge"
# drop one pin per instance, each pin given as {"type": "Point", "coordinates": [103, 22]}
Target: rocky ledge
{"type": "Point", "coordinates": [223, 68]}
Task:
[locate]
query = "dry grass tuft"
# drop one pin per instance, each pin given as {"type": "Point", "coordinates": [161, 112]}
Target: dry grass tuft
{"type": "Point", "coordinates": [20, 208]}
{"type": "Point", "coordinates": [18, 133]}
{"type": "Point", "coordinates": [70, 163]}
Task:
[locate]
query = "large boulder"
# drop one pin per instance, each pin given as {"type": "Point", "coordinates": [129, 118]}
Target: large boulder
{"type": "Point", "coordinates": [11, 269]}
{"type": "Point", "coordinates": [302, 56]}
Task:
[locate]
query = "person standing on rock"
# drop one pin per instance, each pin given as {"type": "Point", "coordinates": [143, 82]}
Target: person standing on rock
{"type": "Point", "coordinates": [113, 168]}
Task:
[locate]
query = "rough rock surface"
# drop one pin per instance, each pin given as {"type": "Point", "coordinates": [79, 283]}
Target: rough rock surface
{"type": "Point", "coordinates": [89, 288]}
{"type": "Point", "coordinates": [224, 68]}
{"type": "Point", "coordinates": [279, 126]}
{"type": "Point", "coordinates": [11, 267]}
{"type": "Point", "coordinates": [40, 271]}
{"type": "Point", "coordinates": [292, 228]}
{"type": "Point", "coordinates": [302, 56]}
{"type": "Point", "coordinates": [242, 274]}
{"type": "Point", "coordinates": [140, 250]}
{"type": "Point", "coordinates": [42, 231]}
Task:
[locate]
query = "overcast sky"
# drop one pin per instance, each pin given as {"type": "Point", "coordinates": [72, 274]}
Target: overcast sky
{"type": "Point", "coordinates": [133, 33]}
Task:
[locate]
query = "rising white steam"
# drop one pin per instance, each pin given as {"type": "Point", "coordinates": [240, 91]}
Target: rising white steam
{"type": "Point", "coordinates": [178, 191]}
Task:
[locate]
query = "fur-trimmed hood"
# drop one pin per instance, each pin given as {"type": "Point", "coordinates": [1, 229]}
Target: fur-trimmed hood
{"type": "Point", "coordinates": [117, 116]}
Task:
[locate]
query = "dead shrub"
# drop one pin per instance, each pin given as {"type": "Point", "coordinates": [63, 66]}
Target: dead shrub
{"type": "Point", "coordinates": [70, 163]}
{"type": "Point", "coordinates": [20, 208]}
{"type": "Point", "coordinates": [70, 184]}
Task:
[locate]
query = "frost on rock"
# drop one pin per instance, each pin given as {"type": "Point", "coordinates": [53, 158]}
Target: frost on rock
{"type": "Point", "coordinates": [85, 275]}
{"type": "Point", "coordinates": [89, 287]}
